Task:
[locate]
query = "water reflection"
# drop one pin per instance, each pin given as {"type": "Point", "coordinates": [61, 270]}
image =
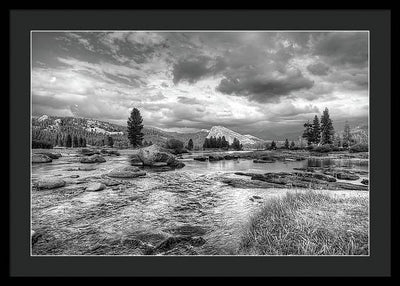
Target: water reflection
{"type": "Point", "coordinates": [331, 162]}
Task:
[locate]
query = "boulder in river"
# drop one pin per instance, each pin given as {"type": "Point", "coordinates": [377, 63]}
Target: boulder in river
{"type": "Point", "coordinates": [154, 153]}
{"type": "Point", "coordinates": [52, 155]}
{"type": "Point", "coordinates": [347, 176]}
{"type": "Point", "coordinates": [93, 159]}
{"type": "Point", "coordinates": [95, 187]}
{"type": "Point", "coordinates": [231, 157]}
{"type": "Point", "coordinates": [41, 158]}
{"type": "Point", "coordinates": [47, 184]}
{"type": "Point", "coordinates": [215, 158]}
{"type": "Point", "coordinates": [126, 172]}
{"type": "Point", "coordinates": [365, 181]}
{"type": "Point", "coordinates": [263, 161]}
{"type": "Point", "coordinates": [200, 158]}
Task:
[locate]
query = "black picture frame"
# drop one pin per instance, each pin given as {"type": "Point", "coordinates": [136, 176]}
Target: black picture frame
{"type": "Point", "coordinates": [378, 22]}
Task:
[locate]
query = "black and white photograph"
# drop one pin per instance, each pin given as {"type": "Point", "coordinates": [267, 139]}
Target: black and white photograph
{"type": "Point", "coordinates": [200, 143]}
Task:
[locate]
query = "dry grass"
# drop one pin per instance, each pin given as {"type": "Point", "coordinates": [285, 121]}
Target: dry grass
{"type": "Point", "coordinates": [310, 223]}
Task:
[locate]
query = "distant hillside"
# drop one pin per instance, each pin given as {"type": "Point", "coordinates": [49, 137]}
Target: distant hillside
{"type": "Point", "coordinates": [245, 140]}
{"type": "Point", "coordinates": [158, 136]}
{"type": "Point", "coordinates": [54, 129]}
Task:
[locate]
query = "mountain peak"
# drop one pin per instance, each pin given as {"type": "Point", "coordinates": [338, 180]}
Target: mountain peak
{"type": "Point", "coordinates": [230, 135]}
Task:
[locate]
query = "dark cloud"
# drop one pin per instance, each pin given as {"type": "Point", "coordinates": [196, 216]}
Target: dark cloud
{"type": "Point", "coordinates": [318, 69]}
{"type": "Point", "coordinates": [191, 70]}
{"type": "Point", "coordinates": [188, 100]}
{"type": "Point", "coordinates": [265, 89]}
{"type": "Point", "coordinates": [343, 48]}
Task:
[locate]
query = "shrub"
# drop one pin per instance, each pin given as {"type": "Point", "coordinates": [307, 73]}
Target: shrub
{"type": "Point", "coordinates": [359, 148]}
{"type": "Point", "coordinates": [323, 148]}
{"type": "Point", "coordinates": [175, 145]}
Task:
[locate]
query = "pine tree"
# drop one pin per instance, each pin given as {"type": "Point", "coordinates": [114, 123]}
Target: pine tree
{"type": "Point", "coordinates": [286, 143]}
{"type": "Point", "coordinates": [135, 127]}
{"type": "Point", "coordinates": [75, 142]}
{"type": "Point", "coordinates": [236, 144]}
{"type": "Point", "coordinates": [327, 130]}
{"type": "Point", "coordinates": [110, 141]}
{"type": "Point", "coordinates": [68, 142]}
{"type": "Point", "coordinates": [273, 145]}
{"type": "Point", "coordinates": [346, 135]}
{"type": "Point", "coordinates": [316, 132]}
{"type": "Point", "coordinates": [190, 144]}
{"type": "Point", "coordinates": [84, 142]}
{"type": "Point", "coordinates": [80, 142]}
{"type": "Point", "coordinates": [224, 143]}
{"type": "Point", "coordinates": [308, 132]}
{"type": "Point", "coordinates": [292, 145]}
{"type": "Point", "coordinates": [206, 143]}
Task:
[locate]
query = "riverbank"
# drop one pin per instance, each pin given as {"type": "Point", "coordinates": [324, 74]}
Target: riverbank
{"type": "Point", "coordinates": [309, 223]}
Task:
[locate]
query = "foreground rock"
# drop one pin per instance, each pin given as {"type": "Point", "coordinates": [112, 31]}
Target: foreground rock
{"type": "Point", "coordinates": [41, 158]}
{"type": "Point", "coordinates": [153, 154]}
{"type": "Point", "coordinates": [365, 181]}
{"type": "Point", "coordinates": [93, 159]}
{"type": "Point", "coordinates": [135, 160]}
{"type": "Point", "coordinates": [95, 187]}
{"type": "Point", "coordinates": [47, 184]}
{"type": "Point", "coordinates": [251, 184]}
{"type": "Point", "coordinates": [126, 172]}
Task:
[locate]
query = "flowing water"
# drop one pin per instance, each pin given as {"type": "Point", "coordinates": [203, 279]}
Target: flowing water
{"type": "Point", "coordinates": [189, 201]}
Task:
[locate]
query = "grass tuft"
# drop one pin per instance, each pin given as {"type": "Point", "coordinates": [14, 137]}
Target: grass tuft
{"type": "Point", "coordinates": [310, 223]}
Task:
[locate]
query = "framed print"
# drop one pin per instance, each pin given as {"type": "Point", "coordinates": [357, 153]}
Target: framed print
{"type": "Point", "coordinates": [184, 147]}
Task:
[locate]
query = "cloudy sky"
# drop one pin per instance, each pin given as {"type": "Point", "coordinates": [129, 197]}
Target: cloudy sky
{"type": "Point", "coordinates": [262, 83]}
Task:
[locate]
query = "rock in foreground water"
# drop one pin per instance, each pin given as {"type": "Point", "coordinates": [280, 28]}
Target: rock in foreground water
{"type": "Point", "coordinates": [93, 159]}
{"type": "Point", "coordinates": [89, 152]}
{"type": "Point", "coordinates": [46, 184]}
{"type": "Point", "coordinates": [41, 158]}
{"type": "Point", "coordinates": [126, 172]}
{"type": "Point", "coordinates": [95, 187]}
{"type": "Point", "coordinates": [110, 152]}
{"type": "Point", "coordinates": [155, 154]}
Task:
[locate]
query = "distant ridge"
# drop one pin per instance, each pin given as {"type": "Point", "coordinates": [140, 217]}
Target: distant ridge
{"type": "Point", "coordinates": [156, 135]}
{"type": "Point", "coordinates": [230, 135]}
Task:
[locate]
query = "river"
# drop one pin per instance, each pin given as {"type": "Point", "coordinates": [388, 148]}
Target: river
{"type": "Point", "coordinates": [187, 201]}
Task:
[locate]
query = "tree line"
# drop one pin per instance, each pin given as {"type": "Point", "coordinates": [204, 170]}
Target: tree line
{"type": "Point", "coordinates": [319, 132]}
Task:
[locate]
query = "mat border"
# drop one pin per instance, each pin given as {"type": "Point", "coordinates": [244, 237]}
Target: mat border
{"type": "Point", "coordinates": [22, 22]}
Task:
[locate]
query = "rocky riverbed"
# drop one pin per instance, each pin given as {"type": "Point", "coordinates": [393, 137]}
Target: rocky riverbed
{"type": "Point", "coordinates": [113, 202]}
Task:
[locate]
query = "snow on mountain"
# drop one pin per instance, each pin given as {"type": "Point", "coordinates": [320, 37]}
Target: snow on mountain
{"type": "Point", "coordinates": [43, 118]}
{"type": "Point", "coordinates": [219, 131]}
